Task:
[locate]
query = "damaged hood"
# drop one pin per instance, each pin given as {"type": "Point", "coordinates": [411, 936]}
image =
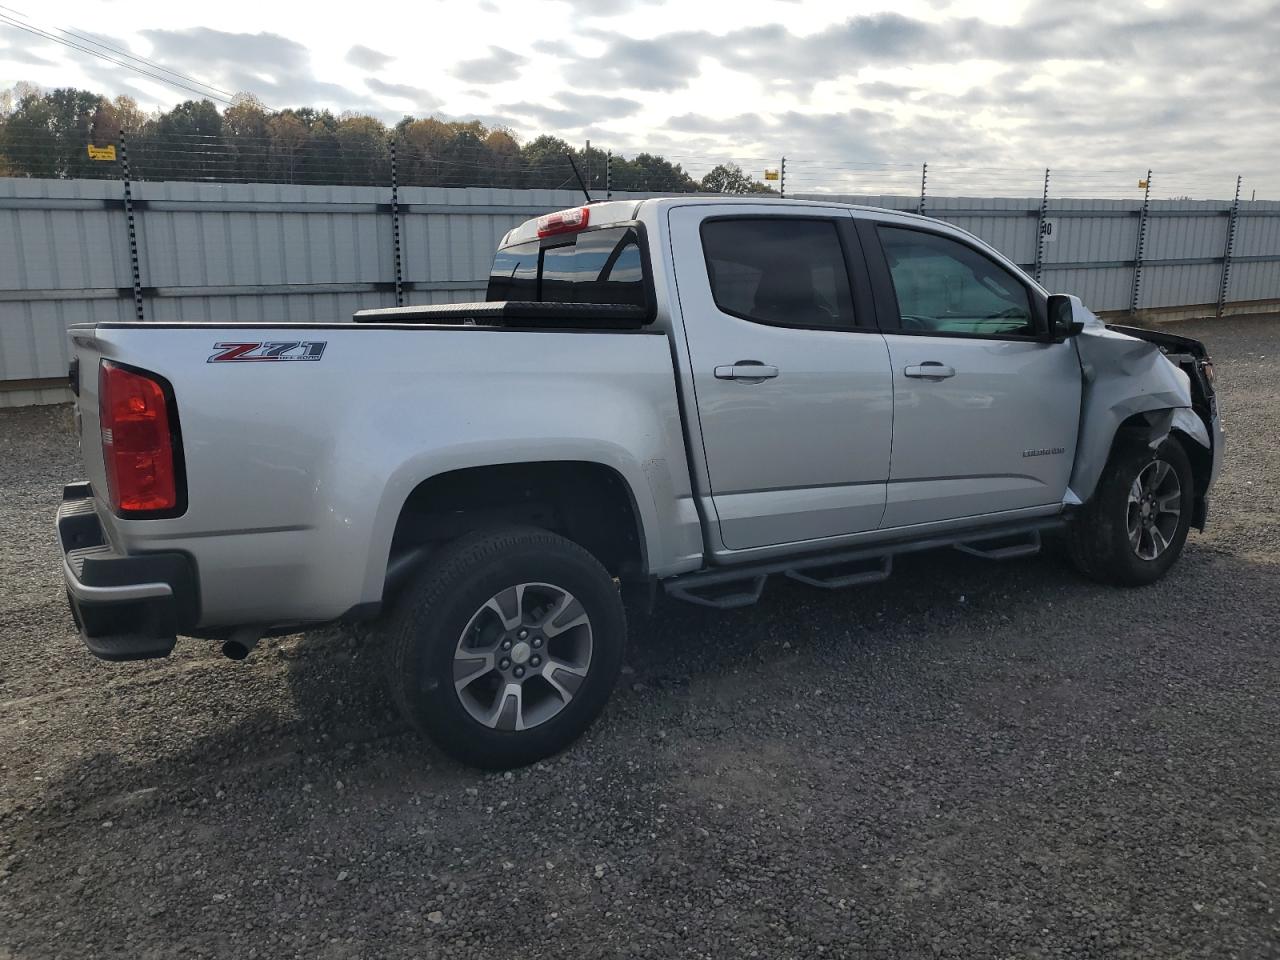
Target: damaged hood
{"type": "Point", "coordinates": [1130, 359]}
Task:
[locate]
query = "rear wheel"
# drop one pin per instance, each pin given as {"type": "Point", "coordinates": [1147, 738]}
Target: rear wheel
{"type": "Point", "coordinates": [507, 647]}
{"type": "Point", "coordinates": [1133, 529]}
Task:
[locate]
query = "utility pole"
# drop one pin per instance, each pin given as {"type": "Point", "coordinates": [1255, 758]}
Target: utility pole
{"type": "Point", "coordinates": [782, 179]}
{"type": "Point", "coordinates": [924, 179]}
{"type": "Point", "coordinates": [608, 175]}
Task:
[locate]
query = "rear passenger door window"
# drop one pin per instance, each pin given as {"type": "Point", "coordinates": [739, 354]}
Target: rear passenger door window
{"type": "Point", "coordinates": [779, 271]}
{"type": "Point", "coordinates": [945, 287]}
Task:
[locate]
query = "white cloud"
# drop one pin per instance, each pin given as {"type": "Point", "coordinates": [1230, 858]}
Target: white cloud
{"type": "Point", "coordinates": [991, 92]}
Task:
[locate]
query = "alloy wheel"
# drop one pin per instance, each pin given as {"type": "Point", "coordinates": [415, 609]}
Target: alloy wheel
{"type": "Point", "coordinates": [523, 656]}
{"type": "Point", "coordinates": [1154, 509]}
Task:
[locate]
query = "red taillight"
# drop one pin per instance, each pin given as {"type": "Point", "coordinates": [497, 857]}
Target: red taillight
{"type": "Point", "coordinates": [137, 441]}
{"type": "Point", "coordinates": [564, 221]}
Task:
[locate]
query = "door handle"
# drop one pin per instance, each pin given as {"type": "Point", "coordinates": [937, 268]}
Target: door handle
{"type": "Point", "coordinates": [930, 370]}
{"type": "Point", "coordinates": [750, 370]}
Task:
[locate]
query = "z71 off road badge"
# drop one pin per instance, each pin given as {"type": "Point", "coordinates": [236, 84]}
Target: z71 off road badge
{"type": "Point", "coordinates": [274, 350]}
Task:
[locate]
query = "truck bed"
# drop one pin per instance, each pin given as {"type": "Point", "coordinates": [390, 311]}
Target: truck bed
{"type": "Point", "coordinates": [306, 440]}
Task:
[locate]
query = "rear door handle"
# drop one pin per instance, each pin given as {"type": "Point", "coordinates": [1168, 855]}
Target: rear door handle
{"type": "Point", "coordinates": [751, 370]}
{"type": "Point", "coordinates": [930, 370]}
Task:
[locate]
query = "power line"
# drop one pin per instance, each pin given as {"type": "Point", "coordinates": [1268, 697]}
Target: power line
{"type": "Point", "coordinates": [144, 61]}
{"type": "Point", "coordinates": [45, 35]}
{"type": "Point", "coordinates": [97, 42]}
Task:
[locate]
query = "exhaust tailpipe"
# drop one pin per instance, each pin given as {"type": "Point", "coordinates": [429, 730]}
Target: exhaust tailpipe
{"type": "Point", "coordinates": [241, 642]}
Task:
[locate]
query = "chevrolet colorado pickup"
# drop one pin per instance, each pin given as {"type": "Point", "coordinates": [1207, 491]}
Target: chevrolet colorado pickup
{"type": "Point", "coordinates": [693, 392]}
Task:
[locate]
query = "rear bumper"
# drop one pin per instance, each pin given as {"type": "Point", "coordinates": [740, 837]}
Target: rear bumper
{"type": "Point", "coordinates": [127, 607]}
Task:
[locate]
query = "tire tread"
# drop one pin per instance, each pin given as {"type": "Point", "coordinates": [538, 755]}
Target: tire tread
{"type": "Point", "coordinates": [1096, 548]}
{"type": "Point", "coordinates": [447, 570]}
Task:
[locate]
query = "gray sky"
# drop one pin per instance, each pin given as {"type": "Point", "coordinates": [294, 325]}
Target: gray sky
{"type": "Point", "coordinates": [855, 94]}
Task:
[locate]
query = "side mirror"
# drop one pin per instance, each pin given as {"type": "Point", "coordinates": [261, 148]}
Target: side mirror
{"type": "Point", "coordinates": [1062, 319]}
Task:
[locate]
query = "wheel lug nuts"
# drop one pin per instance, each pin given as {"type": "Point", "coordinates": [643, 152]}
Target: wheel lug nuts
{"type": "Point", "coordinates": [506, 644]}
{"type": "Point", "coordinates": [504, 663]}
{"type": "Point", "coordinates": [537, 642]}
{"type": "Point", "coordinates": [535, 662]}
{"type": "Point", "coordinates": [522, 634]}
{"type": "Point", "coordinates": [519, 671]}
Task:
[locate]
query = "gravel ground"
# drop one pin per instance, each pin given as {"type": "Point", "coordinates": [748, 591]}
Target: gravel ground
{"type": "Point", "coordinates": [969, 760]}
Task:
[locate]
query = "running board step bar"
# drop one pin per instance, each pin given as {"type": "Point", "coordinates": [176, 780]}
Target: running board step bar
{"type": "Point", "coordinates": [1002, 547]}
{"type": "Point", "coordinates": [738, 591]}
{"type": "Point", "coordinates": [851, 573]}
{"type": "Point", "coordinates": [726, 588]}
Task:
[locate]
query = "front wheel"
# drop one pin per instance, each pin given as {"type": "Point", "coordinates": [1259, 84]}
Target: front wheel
{"type": "Point", "coordinates": [1134, 527]}
{"type": "Point", "coordinates": [507, 646]}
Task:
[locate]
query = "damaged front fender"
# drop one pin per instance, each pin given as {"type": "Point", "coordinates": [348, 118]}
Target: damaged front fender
{"type": "Point", "coordinates": [1125, 379]}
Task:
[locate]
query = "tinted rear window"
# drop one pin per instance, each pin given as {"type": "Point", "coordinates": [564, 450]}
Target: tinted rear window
{"type": "Point", "coordinates": [596, 266]}
{"type": "Point", "coordinates": [779, 270]}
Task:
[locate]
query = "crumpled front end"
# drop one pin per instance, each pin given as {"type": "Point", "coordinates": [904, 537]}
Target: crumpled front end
{"type": "Point", "coordinates": [1159, 381]}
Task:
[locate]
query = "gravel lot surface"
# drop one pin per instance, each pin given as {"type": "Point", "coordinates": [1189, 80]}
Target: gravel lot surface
{"type": "Point", "coordinates": [970, 760]}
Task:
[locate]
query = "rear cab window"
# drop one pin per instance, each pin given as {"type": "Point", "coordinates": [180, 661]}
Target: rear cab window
{"type": "Point", "coordinates": [604, 265]}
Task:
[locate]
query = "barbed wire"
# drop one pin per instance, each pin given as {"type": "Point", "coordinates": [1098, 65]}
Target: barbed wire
{"type": "Point", "coordinates": [328, 157]}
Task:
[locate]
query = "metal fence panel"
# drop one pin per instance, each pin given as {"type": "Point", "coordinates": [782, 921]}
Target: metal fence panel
{"type": "Point", "coordinates": [1101, 288]}
{"type": "Point", "coordinates": [283, 253]}
{"type": "Point", "coordinates": [1255, 281]}
{"type": "Point", "coordinates": [1171, 237]}
{"type": "Point", "coordinates": [62, 252]}
{"type": "Point", "coordinates": [1258, 230]}
{"type": "Point", "coordinates": [199, 235]}
{"type": "Point", "coordinates": [1105, 232]}
{"type": "Point", "coordinates": [1182, 285]}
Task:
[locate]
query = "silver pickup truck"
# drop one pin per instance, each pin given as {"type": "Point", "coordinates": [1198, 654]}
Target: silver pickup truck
{"type": "Point", "coordinates": [693, 392]}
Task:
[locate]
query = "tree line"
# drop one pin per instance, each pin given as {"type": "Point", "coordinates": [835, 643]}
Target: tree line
{"type": "Point", "coordinates": [47, 133]}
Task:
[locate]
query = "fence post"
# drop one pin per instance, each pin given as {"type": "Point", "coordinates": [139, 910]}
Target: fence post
{"type": "Point", "coordinates": [395, 224]}
{"type": "Point", "coordinates": [924, 179]}
{"type": "Point", "coordinates": [1226, 253]}
{"type": "Point", "coordinates": [1142, 243]}
{"type": "Point", "coordinates": [782, 180]}
{"type": "Point", "coordinates": [1044, 209]}
{"type": "Point", "coordinates": [133, 229]}
{"type": "Point", "coordinates": [608, 174]}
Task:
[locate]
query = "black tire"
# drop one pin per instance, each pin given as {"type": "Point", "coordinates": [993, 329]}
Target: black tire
{"type": "Point", "coordinates": [1098, 537]}
{"type": "Point", "coordinates": [429, 618]}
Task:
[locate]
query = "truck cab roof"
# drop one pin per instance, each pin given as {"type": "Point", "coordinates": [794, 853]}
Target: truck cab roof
{"type": "Point", "coordinates": [604, 213]}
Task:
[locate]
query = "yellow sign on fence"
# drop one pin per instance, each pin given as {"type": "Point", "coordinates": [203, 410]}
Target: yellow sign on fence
{"type": "Point", "coordinates": [771, 174]}
{"type": "Point", "coordinates": [102, 153]}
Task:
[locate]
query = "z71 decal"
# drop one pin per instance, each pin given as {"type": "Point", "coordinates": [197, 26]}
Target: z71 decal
{"type": "Point", "coordinates": [275, 350]}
